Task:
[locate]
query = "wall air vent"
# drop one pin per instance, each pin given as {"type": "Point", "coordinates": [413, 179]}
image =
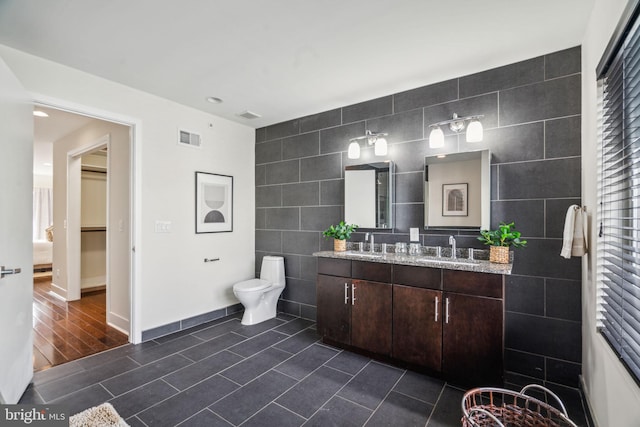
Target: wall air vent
{"type": "Point", "coordinates": [249, 115]}
{"type": "Point", "coordinates": [189, 139]}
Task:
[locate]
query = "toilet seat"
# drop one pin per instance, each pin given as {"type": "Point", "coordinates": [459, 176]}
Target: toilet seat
{"type": "Point", "coordinates": [251, 285]}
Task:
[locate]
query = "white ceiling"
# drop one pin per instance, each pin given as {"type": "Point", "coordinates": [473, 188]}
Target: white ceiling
{"type": "Point", "coordinates": [287, 58]}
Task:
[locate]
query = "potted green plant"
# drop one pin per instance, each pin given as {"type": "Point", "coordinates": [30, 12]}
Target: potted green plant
{"type": "Point", "coordinates": [500, 240]}
{"type": "Point", "coordinates": [340, 233]}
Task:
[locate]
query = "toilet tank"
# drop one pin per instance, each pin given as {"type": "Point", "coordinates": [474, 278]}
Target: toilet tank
{"type": "Point", "coordinates": [273, 270]}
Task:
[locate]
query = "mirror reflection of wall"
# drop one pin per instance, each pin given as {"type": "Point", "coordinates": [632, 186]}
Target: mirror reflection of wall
{"type": "Point", "coordinates": [457, 190]}
{"type": "Point", "coordinates": [368, 194]}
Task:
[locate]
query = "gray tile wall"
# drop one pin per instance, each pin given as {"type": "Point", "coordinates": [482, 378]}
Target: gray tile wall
{"type": "Point", "coordinates": [532, 126]}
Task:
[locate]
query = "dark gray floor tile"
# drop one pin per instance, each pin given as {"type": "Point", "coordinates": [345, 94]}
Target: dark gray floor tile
{"type": "Point", "coordinates": [299, 341]}
{"type": "Point", "coordinates": [339, 413]}
{"type": "Point", "coordinates": [371, 385]}
{"type": "Point", "coordinates": [219, 329]}
{"type": "Point", "coordinates": [400, 410]}
{"type": "Point", "coordinates": [348, 362]}
{"type": "Point", "coordinates": [144, 356]}
{"type": "Point", "coordinates": [205, 418]}
{"type": "Point", "coordinates": [194, 330]}
{"type": "Point", "coordinates": [187, 403]}
{"type": "Point", "coordinates": [420, 387]}
{"type": "Point", "coordinates": [306, 397]}
{"type": "Point", "coordinates": [57, 372]}
{"type": "Point", "coordinates": [243, 403]}
{"type": "Point", "coordinates": [145, 374]}
{"type": "Point", "coordinates": [30, 396]}
{"type": "Point", "coordinates": [113, 354]}
{"type": "Point", "coordinates": [307, 361]}
{"type": "Point", "coordinates": [142, 398]}
{"type": "Point", "coordinates": [192, 374]}
{"type": "Point", "coordinates": [294, 326]}
{"type": "Point", "coordinates": [284, 316]}
{"type": "Point", "coordinates": [135, 422]}
{"type": "Point", "coordinates": [274, 415]}
{"type": "Point", "coordinates": [448, 410]}
{"type": "Point", "coordinates": [257, 344]}
{"type": "Point", "coordinates": [251, 368]}
{"type": "Point", "coordinates": [253, 330]}
{"type": "Point", "coordinates": [212, 346]}
{"type": "Point", "coordinates": [58, 388]}
{"type": "Point", "coordinates": [83, 399]}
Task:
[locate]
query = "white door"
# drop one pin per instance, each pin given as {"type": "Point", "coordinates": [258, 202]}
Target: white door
{"type": "Point", "coordinates": [16, 249]}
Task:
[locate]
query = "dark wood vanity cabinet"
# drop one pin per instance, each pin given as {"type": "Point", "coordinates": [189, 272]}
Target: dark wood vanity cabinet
{"type": "Point", "coordinates": [439, 320]}
{"type": "Point", "coordinates": [355, 311]}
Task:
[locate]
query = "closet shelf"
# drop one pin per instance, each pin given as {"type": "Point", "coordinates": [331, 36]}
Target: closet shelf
{"type": "Point", "coordinates": [95, 228]}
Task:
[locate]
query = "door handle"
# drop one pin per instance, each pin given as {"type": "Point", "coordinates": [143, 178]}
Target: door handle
{"type": "Point", "coordinates": [436, 307]}
{"type": "Point", "coordinates": [446, 319]}
{"type": "Point", "coordinates": [353, 294]}
{"type": "Point", "coordinates": [346, 293]}
{"type": "Point", "coordinates": [6, 272]}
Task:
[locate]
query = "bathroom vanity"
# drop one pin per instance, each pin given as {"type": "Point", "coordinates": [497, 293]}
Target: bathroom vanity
{"type": "Point", "coordinates": [444, 318]}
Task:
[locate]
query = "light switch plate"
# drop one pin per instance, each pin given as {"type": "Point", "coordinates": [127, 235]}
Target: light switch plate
{"type": "Point", "coordinates": [163, 226]}
{"type": "Point", "coordinates": [414, 234]}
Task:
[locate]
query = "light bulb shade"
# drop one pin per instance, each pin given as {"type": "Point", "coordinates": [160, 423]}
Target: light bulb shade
{"type": "Point", "coordinates": [354, 150]}
{"type": "Point", "coordinates": [380, 148]}
{"type": "Point", "coordinates": [475, 131]}
{"type": "Point", "coordinates": [436, 138]}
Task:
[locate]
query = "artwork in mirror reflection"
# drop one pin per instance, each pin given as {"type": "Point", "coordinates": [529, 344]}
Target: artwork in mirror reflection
{"type": "Point", "coordinates": [457, 190]}
{"type": "Point", "coordinates": [368, 195]}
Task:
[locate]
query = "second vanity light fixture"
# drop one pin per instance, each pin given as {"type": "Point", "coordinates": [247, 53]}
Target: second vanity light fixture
{"type": "Point", "coordinates": [456, 124]}
{"type": "Point", "coordinates": [377, 139]}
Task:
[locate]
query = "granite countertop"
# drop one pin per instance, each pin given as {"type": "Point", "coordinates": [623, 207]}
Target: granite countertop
{"type": "Point", "coordinates": [477, 266]}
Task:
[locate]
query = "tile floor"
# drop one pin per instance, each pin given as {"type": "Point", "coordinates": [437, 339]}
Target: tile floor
{"type": "Point", "coordinates": [276, 373]}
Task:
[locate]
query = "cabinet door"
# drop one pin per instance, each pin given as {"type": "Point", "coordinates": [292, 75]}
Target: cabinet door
{"type": "Point", "coordinates": [472, 340]}
{"type": "Point", "coordinates": [417, 326]}
{"type": "Point", "coordinates": [371, 316]}
{"type": "Point", "coordinates": [334, 308]}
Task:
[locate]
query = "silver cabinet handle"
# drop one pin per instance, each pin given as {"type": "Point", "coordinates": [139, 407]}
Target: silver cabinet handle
{"type": "Point", "coordinates": [346, 293]}
{"type": "Point", "coordinates": [6, 272]}
{"type": "Point", "coordinates": [446, 319]}
{"type": "Point", "coordinates": [436, 306]}
{"type": "Point", "coordinates": [353, 294]}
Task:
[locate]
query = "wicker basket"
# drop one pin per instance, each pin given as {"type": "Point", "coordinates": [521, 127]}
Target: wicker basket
{"type": "Point", "coordinates": [499, 254]}
{"type": "Point", "coordinates": [339, 245]}
{"type": "Point", "coordinates": [496, 407]}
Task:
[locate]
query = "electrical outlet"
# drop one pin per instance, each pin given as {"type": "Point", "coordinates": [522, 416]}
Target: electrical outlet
{"type": "Point", "coordinates": [57, 273]}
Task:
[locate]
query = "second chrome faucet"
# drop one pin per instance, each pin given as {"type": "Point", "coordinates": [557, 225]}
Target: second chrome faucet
{"type": "Point", "coordinates": [452, 242]}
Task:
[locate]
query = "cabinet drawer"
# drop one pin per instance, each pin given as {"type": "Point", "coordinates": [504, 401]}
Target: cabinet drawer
{"type": "Point", "coordinates": [465, 282]}
{"type": "Point", "coordinates": [374, 271]}
{"type": "Point", "coordinates": [334, 267]}
{"type": "Point", "coordinates": [422, 277]}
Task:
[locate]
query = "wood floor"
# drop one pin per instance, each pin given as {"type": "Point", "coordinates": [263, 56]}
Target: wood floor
{"type": "Point", "coordinates": [68, 331]}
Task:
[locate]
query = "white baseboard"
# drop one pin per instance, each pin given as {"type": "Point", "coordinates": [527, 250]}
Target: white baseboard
{"type": "Point", "coordinates": [58, 292]}
{"type": "Point", "coordinates": [118, 322]}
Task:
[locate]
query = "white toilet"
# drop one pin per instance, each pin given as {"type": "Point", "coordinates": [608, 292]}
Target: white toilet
{"type": "Point", "coordinates": [260, 296]}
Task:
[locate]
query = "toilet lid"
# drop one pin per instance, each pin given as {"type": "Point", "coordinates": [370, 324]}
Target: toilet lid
{"type": "Point", "coordinates": [251, 285]}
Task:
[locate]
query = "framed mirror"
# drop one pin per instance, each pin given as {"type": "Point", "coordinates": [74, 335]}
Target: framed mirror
{"type": "Point", "coordinates": [457, 190]}
{"type": "Point", "coordinates": [368, 195]}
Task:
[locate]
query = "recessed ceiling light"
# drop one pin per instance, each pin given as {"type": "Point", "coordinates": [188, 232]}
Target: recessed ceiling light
{"type": "Point", "coordinates": [47, 164]}
{"type": "Point", "coordinates": [214, 100]}
{"type": "Point", "coordinates": [39, 113]}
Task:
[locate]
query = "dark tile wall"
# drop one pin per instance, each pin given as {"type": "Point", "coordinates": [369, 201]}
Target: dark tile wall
{"type": "Point", "coordinates": [532, 126]}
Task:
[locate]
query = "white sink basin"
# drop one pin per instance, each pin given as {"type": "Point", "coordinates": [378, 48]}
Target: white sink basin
{"type": "Point", "coordinates": [447, 261]}
{"type": "Point", "coordinates": [364, 254]}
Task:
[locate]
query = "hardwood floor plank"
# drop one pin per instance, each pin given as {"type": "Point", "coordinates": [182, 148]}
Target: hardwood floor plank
{"type": "Point", "coordinates": [68, 331]}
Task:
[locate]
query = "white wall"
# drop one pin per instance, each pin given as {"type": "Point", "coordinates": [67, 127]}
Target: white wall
{"type": "Point", "coordinates": [172, 281]}
{"type": "Point", "coordinates": [42, 181]}
{"type": "Point", "coordinates": [611, 392]}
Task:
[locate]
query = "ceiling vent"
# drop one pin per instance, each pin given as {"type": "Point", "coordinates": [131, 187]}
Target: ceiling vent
{"type": "Point", "coordinates": [190, 139]}
{"type": "Point", "coordinates": [249, 115]}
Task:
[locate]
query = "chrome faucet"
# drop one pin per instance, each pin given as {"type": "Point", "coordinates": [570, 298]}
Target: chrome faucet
{"type": "Point", "coordinates": [452, 242]}
{"type": "Point", "coordinates": [371, 247]}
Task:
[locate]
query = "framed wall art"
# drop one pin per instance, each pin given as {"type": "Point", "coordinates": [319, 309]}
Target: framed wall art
{"type": "Point", "coordinates": [214, 203]}
{"type": "Point", "coordinates": [455, 199]}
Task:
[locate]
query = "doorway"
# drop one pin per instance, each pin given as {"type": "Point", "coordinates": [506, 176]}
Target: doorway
{"type": "Point", "coordinates": [86, 306]}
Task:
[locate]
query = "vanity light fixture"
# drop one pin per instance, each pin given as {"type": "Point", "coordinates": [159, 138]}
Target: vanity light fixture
{"type": "Point", "coordinates": [456, 124]}
{"type": "Point", "coordinates": [377, 139]}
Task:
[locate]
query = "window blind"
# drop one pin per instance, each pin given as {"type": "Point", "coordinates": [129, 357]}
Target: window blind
{"type": "Point", "coordinates": [618, 273]}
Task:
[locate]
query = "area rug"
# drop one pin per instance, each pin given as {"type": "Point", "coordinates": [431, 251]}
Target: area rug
{"type": "Point", "coordinates": [103, 415]}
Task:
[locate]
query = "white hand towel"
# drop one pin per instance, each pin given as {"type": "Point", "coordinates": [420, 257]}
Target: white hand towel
{"type": "Point", "coordinates": [574, 237]}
